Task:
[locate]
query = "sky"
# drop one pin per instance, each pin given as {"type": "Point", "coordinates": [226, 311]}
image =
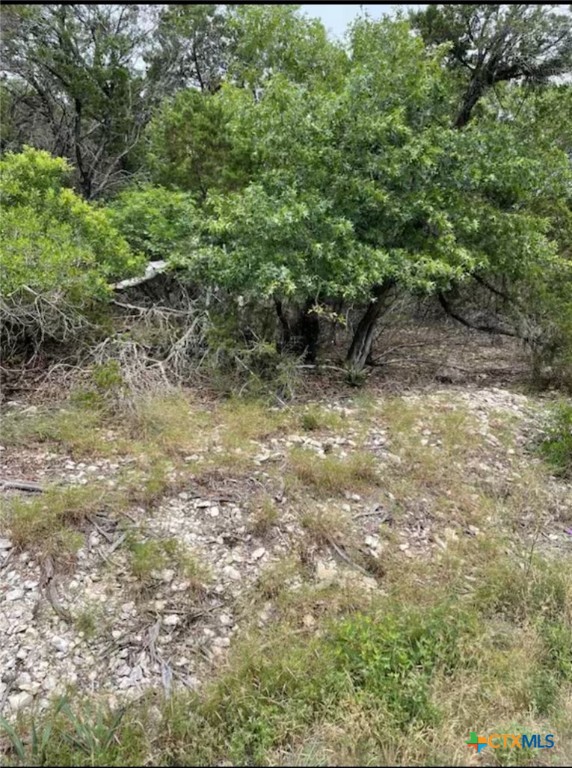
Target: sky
{"type": "Point", "coordinates": [336, 17]}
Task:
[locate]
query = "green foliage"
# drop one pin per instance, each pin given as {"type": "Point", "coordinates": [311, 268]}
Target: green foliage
{"type": "Point", "coordinates": [33, 183]}
{"type": "Point", "coordinates": [556, 444]}
{"type": "Point", "coordinates": [271, 39]}
{"type": "Point", "coordinates": [368, 183]}
{"type": "Point", "coordinates": [391, 659]}
{"type": "Point", "coordinates": [494, 43]}
{"type": "Point", "coordinates": [76, 78]}
{"type": "Point", "coordinates": [59, 252]}
{"type": "Point", "coordinates": [155, 221]}
{"type": "Point", "coordinates": [192, 147]}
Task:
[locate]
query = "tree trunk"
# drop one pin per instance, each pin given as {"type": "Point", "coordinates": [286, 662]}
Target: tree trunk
{"type": "Point", "coordinates": [470, 100]}
{"type": "Point", "coordinates": [284, 325]}
{"type": "Point", "coordinates": [360, 347]}
{"type": "Point", "coordinates": [306, 333]}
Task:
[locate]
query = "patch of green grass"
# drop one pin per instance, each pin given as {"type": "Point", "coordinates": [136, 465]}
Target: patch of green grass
{"type": "Point", "coordinates": [49, 521]}
{"type": "Point", "coordinates": [314, 419]}
{"type": "Point", "coordinates": [78, 431]}
{"type": "Point", "coordinates": [264, 514]}
{"type": "Point", "coordinates": [331, 474]}
{"type": "Point", "coordinates": [556, 445]}
{"type": "Point", "coordinates": [148, 558]}
{"type": "Point", "coordinates": [88, 621]}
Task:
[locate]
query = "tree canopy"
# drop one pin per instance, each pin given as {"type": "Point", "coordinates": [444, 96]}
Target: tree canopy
{"type": "Point", "coordinates": [423, 156]}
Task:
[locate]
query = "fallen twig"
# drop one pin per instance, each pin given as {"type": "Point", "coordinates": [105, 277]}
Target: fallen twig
{"type": "Point", "coordinates": [385, 515]}
{"type": "Point", "coordinates": [344, 557]}
{"type": "Point", "coordinates": [48, 585]}
{"type": "Point", "coordinates": [20, 485]}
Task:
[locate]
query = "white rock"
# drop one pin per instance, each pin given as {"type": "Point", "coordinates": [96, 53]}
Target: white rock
{"type": "Point", "coordinates": [5, 544]}
{"type": "Point", "coordinates": [60, 644]}
{"type": "Point", "coordinates": [258, 553]}
{"type": "Point", "coordinates": [24, 678]}
{"type": "Point", "coordinates": [49, 683]}
{"type": "Point", "coordinates": [232, 573]}
{"type": "Point", "coordinates": [15, 594]}
{"type": "Point", "coordinates": [325, 574]}
{"type": "Point", "coordinates": [19, 700]}
{"type": "Point", "coordinates": [171, 620]}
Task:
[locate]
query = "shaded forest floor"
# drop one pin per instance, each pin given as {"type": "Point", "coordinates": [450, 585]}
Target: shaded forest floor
{"type": "Point", "coordinates": [360, 577]}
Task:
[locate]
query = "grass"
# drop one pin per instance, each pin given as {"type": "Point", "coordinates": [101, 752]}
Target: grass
{"type": "Point", "coordinates": [332, 475]}
{"type": "Point", "coordinates": [74, 430]}
{"type": "Point", "coordinates": [472, 635]}
{"type": "Point", "coordinates": [264, 514]}
{"type": "Point", "coordinates": [50, 520]}
{"type": "Point", "coordinates": [315, 419]}
{"type": "Point", "coordinates": [149, 557]}
{"type": "Point", "coordinates": [411, 678]}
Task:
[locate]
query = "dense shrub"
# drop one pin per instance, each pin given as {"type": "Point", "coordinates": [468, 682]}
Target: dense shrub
{"type": "Point", "coordinates": [155, 221]}
{"type": "Point", "coordinates": [59, 252]}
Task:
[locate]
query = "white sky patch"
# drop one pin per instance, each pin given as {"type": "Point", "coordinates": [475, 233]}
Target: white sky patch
{"type": "Point", "coordinates": [337, 17]}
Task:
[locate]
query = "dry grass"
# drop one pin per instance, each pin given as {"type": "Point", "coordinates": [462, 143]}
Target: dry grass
{"type": "Point", "coordinates": [264, 514]}
{"type": "Point", "coordinates": [330, 475]}
{"type": "Point", "coordinates": [49, 522]}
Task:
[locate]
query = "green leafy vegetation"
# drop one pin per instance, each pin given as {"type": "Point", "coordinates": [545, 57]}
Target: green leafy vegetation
{"type": "Point", "coordinates": [556, 445]}
{"type": "Point", "coordinates": [305, 197]}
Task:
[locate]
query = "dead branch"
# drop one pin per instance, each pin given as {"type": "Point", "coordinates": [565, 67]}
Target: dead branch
{"type": "Point", "coordinates": [20, 485]}
{"type": "Point", "coordinates": [476, 327]}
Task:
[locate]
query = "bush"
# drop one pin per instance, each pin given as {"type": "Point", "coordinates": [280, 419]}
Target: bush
{"type": "Point", "coordinates": [556, 446]}
{"type": "Point", "coordinates": [59, 252]}
{"type": "Point", "coordinates": [154, 220]}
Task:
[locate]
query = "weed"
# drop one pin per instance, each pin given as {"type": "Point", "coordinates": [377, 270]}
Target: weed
{"type": "Point", "coordinates": [314, 419]}
{"type": "Point", "coordinates": [556, 446]}
{"type": "Point", "coordinates": [88, 621]}
{"type": "Point", "coordinates": [264, 514]}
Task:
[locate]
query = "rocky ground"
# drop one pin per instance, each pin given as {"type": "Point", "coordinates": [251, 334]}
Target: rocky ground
{"type": "Point", "coordinates": [97, 629]}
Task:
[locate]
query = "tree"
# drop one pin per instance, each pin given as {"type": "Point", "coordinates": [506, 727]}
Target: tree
{"type": "Point", "coordinates": [267, 40]}
{"type": "Point", "coordinates": [190, 144]}
{"type": "Point", "coordinates": [192, 47]}
{"type": "Point", "coordinates": [495, 43]}
{"type": "Point", "coordinates": [75, 74]}
{"type": "Point", "coordinates": [59, 253]}
{"type": "Point", "coordinates": [155, 221]}
{"type": "Point", "coordinates": [361, 191]}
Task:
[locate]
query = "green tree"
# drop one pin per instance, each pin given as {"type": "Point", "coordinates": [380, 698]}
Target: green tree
{"type": "Point", "coordinates": [366, 189]}
{"type": "Point", "coordinates": [192, 47]}
{"type": "Point", "coordinates": [77, 78]}
{"type": "Point", "coordinates": [155, 221]}
{"type": "Point", "coordinates": [191, 144]}
{"type": "Point", "coordinates": [493, 43]}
